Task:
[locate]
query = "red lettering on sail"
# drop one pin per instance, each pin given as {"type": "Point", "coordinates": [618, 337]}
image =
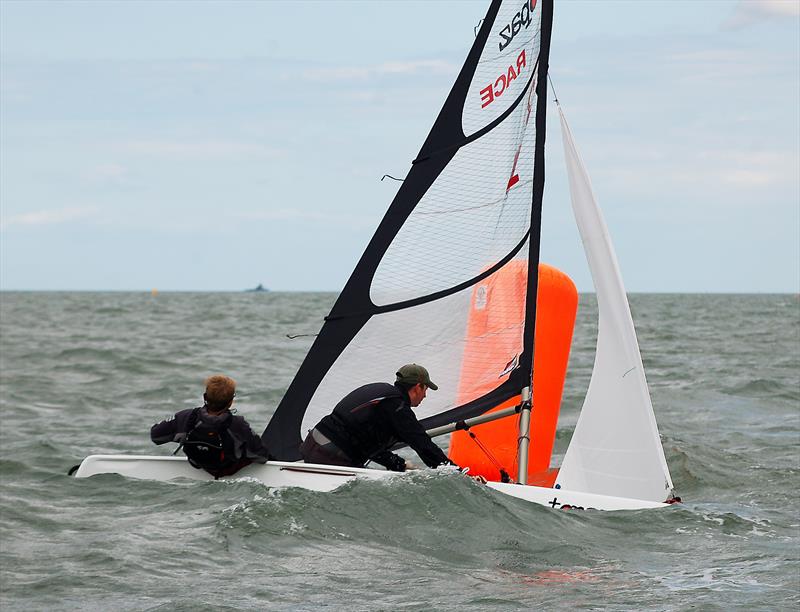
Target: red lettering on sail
{"type": "Point", "coordinates": [487, 96]}
{"type": "Point", "coordinates": [511, 74]}
{"type": "Point", "coordinates": [500, 79]}
{"type": "Point", "coordinates": [494, 90]}
{"type": "Point", "coordinates": [514, 176]}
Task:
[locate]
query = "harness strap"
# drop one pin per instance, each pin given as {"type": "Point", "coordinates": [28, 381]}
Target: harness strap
{"type": "Point", "coordinates": [190, 425]}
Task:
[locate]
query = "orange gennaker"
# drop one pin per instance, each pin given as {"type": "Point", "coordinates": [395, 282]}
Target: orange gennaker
{"type": "Point", "coordinates": [493, 331]}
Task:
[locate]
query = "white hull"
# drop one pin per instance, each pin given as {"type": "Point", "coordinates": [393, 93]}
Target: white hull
{"type": "Point", "coordinates": [575, 500]}
{"type": "Point", "coordinates": [327, 478]}
{"type": "Point", "coordinates": [272, 474]}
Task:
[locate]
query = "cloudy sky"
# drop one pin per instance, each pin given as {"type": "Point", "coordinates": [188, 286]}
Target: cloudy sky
{"type": "Point", "coordinates": [213, 146]}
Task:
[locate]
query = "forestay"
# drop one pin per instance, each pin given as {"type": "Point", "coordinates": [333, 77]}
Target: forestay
{"type": "Point", "coordinates": [616, 449]}
{"type": "Point", "coordinates": [470, 205]}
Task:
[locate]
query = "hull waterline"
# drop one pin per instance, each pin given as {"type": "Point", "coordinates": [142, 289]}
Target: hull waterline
{"type": "Point", "coordinates": [326, 478]}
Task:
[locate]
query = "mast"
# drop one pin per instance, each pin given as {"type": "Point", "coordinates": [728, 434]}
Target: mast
{"type": "Point", "coordinates": [534, 245]}
{"type": "Point", "coordinates": [526, 361]}
{"type": "Point", "coordinates": [524, 436]}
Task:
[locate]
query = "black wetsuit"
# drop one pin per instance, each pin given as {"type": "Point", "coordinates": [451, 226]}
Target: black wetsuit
{"type": "Point", "coordinates": [365, 425]}
{"type": "Point", "coordinates": [246, 444]}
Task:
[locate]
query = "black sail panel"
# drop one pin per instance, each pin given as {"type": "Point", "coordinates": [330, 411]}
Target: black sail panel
{"type": "Point", "coordinates": [526, 361]}
{"type": "Point", "coordinates": [468, 210]}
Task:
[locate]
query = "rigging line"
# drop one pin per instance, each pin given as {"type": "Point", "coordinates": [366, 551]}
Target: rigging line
{"type": "Point", "coordinates": [486, 451]}
{"type": "Point", "coordinates": [499, 466]}
{"type": "Point", "coordinates": [293, 336]}
{"type": "Point", "coordinates": [553, 87]}
{"type": "Point", "coordinates": [394, 178]}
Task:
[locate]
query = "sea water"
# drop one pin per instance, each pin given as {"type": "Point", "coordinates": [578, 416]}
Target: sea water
{"type": "Point", "coordinates": [84, 373]}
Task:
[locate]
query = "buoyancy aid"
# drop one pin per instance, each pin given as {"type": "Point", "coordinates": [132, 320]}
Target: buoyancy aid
{"type": "Point", "coordinates": [207, 442]}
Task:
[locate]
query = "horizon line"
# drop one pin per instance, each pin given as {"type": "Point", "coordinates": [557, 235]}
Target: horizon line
{"type": "Point", "coordinates": [155, 291]}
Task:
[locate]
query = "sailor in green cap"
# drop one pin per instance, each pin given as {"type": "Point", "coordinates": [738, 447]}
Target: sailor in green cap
{"type": "Point", "coordinates": [371, 420]}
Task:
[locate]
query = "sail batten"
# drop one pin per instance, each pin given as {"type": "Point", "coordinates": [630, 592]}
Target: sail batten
{"type": "Point", "coordinates": [441, 294]}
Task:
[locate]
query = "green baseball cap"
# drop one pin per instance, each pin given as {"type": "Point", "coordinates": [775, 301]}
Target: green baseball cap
{"type": "Point", "coordinates": [413, 374]}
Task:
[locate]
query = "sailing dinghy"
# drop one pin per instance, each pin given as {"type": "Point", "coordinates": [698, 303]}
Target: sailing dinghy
{"type": "Point", "coordinates": [468, 212]}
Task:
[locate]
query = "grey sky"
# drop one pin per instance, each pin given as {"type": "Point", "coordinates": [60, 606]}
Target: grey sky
{"type": "Point", "coordinates": [212, 146]}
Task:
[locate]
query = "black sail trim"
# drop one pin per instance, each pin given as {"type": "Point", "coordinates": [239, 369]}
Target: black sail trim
{"type": "Point", "coordinates": [485, 129]}
{"type": "Point", "coordinates": [431, 297]}
{"type": "Point", "coordinates": [525, 370]}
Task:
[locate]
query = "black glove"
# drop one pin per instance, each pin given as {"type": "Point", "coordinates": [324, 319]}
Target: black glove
{"type": "Point", "coordinates": [396, 463]}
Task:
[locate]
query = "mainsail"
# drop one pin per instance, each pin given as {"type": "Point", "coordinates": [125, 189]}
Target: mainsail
{"type": "Point", "coordinates": [469, 206]}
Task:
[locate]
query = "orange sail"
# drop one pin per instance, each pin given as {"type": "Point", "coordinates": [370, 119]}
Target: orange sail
{"type": "Point", "coordinates": [488, 340]}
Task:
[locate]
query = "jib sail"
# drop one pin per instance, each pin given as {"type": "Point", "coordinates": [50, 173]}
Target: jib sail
{"type": "Point", "coordinates": [616, 448]}
{"type": "Point", "coordinates": [469, 206]}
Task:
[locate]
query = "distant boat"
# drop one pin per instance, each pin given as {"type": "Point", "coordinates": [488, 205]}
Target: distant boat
{"type": "Point", "coordinates": [259, 288]}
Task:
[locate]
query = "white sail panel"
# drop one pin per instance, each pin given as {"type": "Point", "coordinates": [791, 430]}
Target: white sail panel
{"type": "Point", "coordinates": [506, 64]}
{"type": "Point", "coordinates": [615, 449]}
{"type": "Point", "coordinates": [473, 215]}
{"type": "Point", "coordinates": [433, 334]}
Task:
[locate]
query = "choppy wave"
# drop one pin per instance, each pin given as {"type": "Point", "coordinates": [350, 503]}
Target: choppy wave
{"type": "Point", "coordinates": [89, 373]}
